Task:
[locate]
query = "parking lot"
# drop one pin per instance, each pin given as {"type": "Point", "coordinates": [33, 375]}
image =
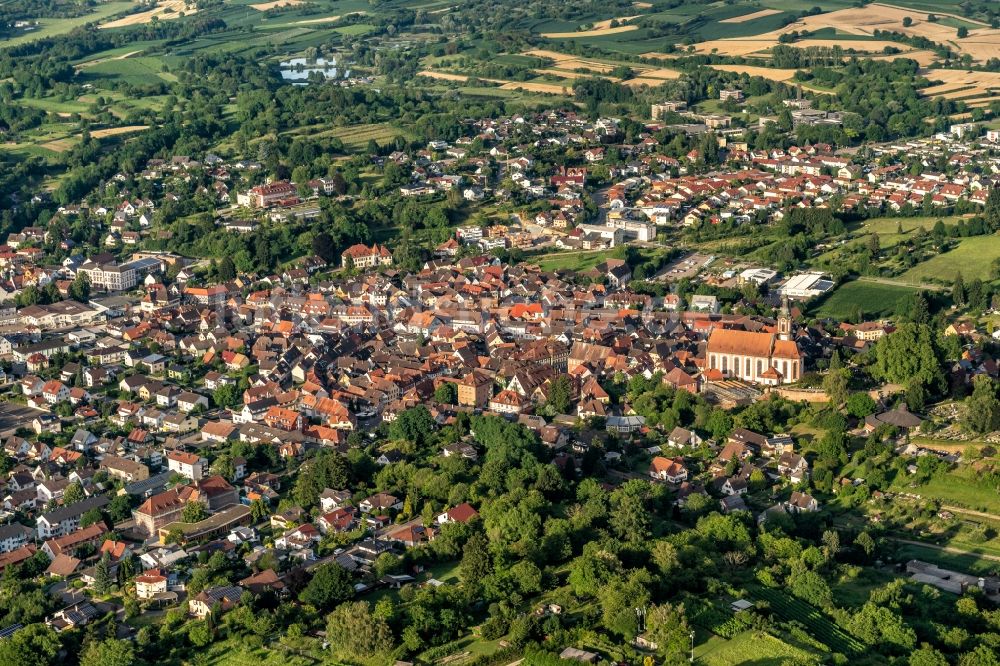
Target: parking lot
{"type": "Point", "coordinates": [14, 416]}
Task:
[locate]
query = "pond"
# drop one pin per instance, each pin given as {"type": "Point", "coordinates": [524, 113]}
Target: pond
{"type": "Point", "coordinates": [297, 70]}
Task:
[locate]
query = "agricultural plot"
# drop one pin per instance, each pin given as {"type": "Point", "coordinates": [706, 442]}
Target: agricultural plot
{"type": "Point", "coordinates": [599, 28]}
{"type": "Point", "coordinates": [358, 136]}
{"type": "Point", "coordinates": [164, 10]}
{"type": "Point", "coordinates": [751, 17]}
{"type": "Point", "coordinates": [820, 627]}
{"type": "Point", "coordinates": [981, 43]}
{"type": "Point", "coordinates": [49, 27]}
{"type": "Point", "coordinates": [874, 299]}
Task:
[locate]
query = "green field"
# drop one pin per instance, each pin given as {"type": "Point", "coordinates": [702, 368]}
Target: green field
{"type": "Point", "coordinates": [751, 647]}
{"type": "Point", "coordinates": [358, 136]}
{"type": "Point", "coordinates": [964, 563]}
{"type": "Point", "coordinates": [49, 27]}
{"type": "Point", "coordinates": [958, 487]}
{"type": "Point", "coordinates": [875, 300]}
{"type": "Point", "coordinates": [972, 258]}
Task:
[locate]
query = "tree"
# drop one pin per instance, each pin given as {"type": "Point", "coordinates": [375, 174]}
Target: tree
{"type": "Point", "coordinates": [109, 652]}
{"type": "Point", "coordinates": [413, 425]}
{"type": "Point", "coordinates": [35, 645]}
{"type": "Point", "coordinates": [629, 518]}
{"type": "Point", "coordinates": [963, 32]}
{"type": "Point", "coordinates": [907, 355]}
{"type": "Point", "coordinates": [876, 625]}
{"type": "Point", "coordinates": [866, 543]}
{"type": "Point", "coordinates": [835, 385]}
{"type": "Point", "coordinates": [958, 290]}
{"type": "Point", "coordinates": [330, 585]}
{"type": "Point", "coordinates": [194, 512]}
{"type": "Point", "coordinates": [982, 408]}
{"type": "Point", "coordinates": [94, 516]}
{"type": "Point", "coordinates": [324, 247]}
{"type": "Point", "coordinates": [102, 575]}
{"type": "Point", "coordinates": [667, 626]}
{"type": "Point", "coordinates": [477, 563]}
{"type": "Point", "coordinates": [227, 395]}
{"type": "Point", "coordinates": [860, 405]}
{"type": "Point", "coordinates": [227, 269]}
{"type": "Point", "coordinates": [907, 21]}
{"type": "Point", "coordinates": [79, 289]}
{"type": "Point", "coordinates": [73, 494]}
{"type": "Point", "coordinates": [258, 511]}
{"type": "Point", "coordinates": [927, 656]}
{"type": "Point", "coordinates": [560, 394]}
{"type": "Point", "coordinates": [446, 393]}
{"type": "Point", "coordinates": [355, 631]}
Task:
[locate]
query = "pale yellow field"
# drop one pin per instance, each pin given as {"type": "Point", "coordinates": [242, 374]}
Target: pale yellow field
{"type": "Point", "coordinates": [642, 5]}
{"type": "Point", "coordinates": [644, 81]}
{"type": "Point", "coordinates": [164, 10]}
{"type": "Point", "coordinates": [661, 73]}
{"type": "Point", "coordinates": [959, 83]}
{"type": "Point", "coordinates": [750, 17]}
{"type": "Point", "coordinates": [264, 6]}
{"type": "Point", "coordinates": [114, 131]}
{"type": "Point", "coordinates": [58, 146]}
{"type": "Point", "coordinates": [982, 43]}
{"type": "Point", "coordinates": [770, 73]}
{"type": "Point", "coordinates": [565, 74]}
{"type": "Point", "coordinates": [554, 55]}
{"type": "Point", "coordinates": [600, 28]}
{"type": "Point", "coordinates": [538, 87]}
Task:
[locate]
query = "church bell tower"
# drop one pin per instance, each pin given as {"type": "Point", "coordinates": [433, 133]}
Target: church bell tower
{"type": "Point", "coordinates": [784, 321]}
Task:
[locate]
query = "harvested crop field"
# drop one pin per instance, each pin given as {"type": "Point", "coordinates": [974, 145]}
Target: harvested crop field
{"type": "Point", "coordinates": [168, 9]}
{"type": "Point", "coordinates": [599, 29]}
{"type": "Point", "coordinates": [770, 73]}
{"type": "Point", "coordinates": [644, 81]}
{"type": "Point", "coordinates": [447, 76]}
{"type": "Point", "coordinates": [264, 6]}
{"type": "Point", "coordinates": [751, 17]}
{"type": "Point", "coordinates": [553, 55]}
{"type": "Point", "coordinates": [568, 74]}
{"type": "Point", "coordinates": [550, 88]}
{"type": "Point", "coordinates": [956, 83]}
{"type": "Point", "coordinates": [982, 43]}
{"type": "Point", "coordinates": [115, 131]}
{"type": "Point", "coordinates": [59, 145]}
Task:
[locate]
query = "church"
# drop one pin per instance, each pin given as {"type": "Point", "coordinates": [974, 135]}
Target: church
{"type": "Point", "coordinates": [759, 357]}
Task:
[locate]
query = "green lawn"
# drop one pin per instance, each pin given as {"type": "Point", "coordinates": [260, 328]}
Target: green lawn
{"type": "Point", "coordinates": [750, 647]}
{"type": "Point", "coordinates": [957, 487]}
{"type": "Point", "coordinates": [572, 260]}
{"type": "Point", "coordinates": [875, 300]}
{"type": "Point", "coordinates": [972, 257]}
